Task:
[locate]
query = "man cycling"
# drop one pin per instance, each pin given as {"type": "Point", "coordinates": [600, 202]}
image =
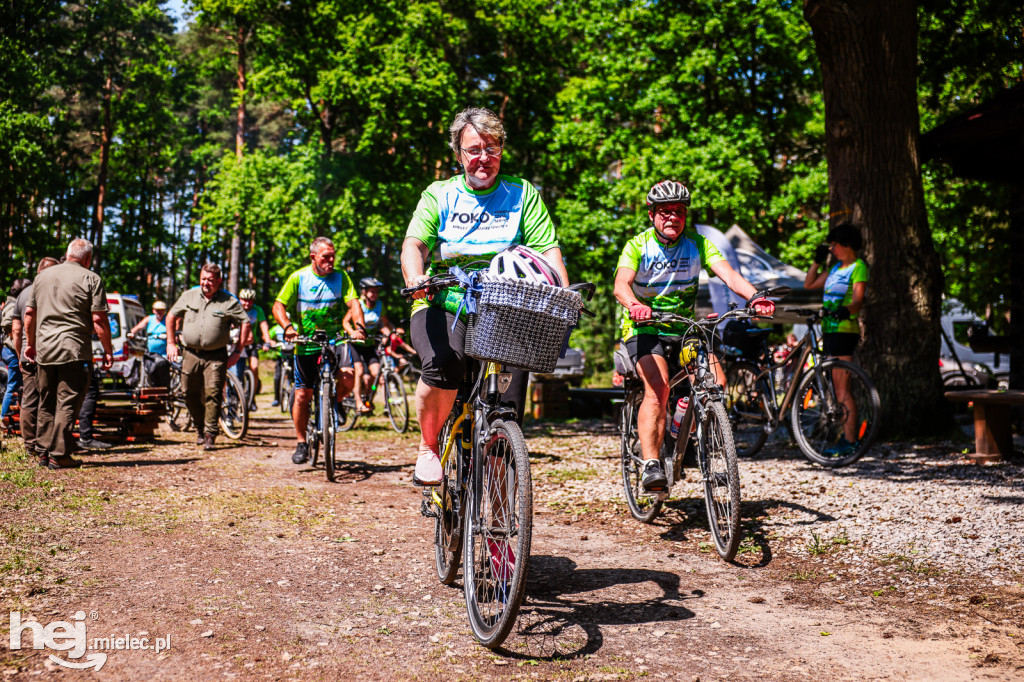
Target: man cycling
{"type": "Point", "coordinates": [260, 336]}
{"type": "Point", "coordinates": [364, 353]}
{"type": "Point", "coordinates": [320, 298]}
{"type": "Point", "coordinates": [659, 270]}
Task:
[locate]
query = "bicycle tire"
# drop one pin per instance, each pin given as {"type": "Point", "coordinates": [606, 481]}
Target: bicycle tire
{"type": "Point", "coordinates": [493, 584]}
{"type": "Point", "coordinates": [449, 521]}
{"type": "Point", "coordinates": [396, 401]}
{"type": "Point", "coordinates": [747, 412]}
{"type": "Point", "coordinates": [818, 422]}
{"type": "Point", "coordinates": [351, 414]}
{"type": "Point", "coordinates": [249, 384]}
{"type": "Point", "coordinates": [234, 410]}
{"type": "Point", "coordinates": [721, 479]}
{"type": "Point", "coordinates": [325, 412]}
{"type": "Point", "coordinates": [287, 393]}
{"type": "Point", "coordinates": [313, 432]}
{"type": "Point", "coordinates": [178, 417]}
{"type": "Point", "coordinates": [643, 506]}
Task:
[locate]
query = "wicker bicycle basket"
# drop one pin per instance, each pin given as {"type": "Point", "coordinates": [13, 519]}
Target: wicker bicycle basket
{"type": "Point", "coordinates": [521, 324]}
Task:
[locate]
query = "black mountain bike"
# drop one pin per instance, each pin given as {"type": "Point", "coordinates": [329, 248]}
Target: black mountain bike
{"type": "Point", "coordinates": [802, 386]}
{"type": "Point", "coordinates": [704, 437]}
{"type": "Point", "coordinates": [321, 428]}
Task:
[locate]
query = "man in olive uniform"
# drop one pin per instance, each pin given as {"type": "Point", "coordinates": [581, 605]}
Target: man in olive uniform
{"type": "Point", "coordinates": [66, 305]}
{"type": "Point", "coordinates": [206, 314]}
{"type": "Point", "coordinates": [29, 386]}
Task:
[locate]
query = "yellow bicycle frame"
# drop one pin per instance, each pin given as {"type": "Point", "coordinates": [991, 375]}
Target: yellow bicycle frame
{"type": "Point", "coordinates": [449, 446]}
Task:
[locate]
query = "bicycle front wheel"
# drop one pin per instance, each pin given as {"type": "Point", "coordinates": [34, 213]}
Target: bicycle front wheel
{"type": "Point", "coordinates": [642, 505]}
{"type": "Point", "coordinates": [744, 401]}
{"type": "Point", "coordinates": [496, 546]}
{"type": "Point", "coordinates": [287, 392]}
{"type": "Point", "coordinates": [821, 415]}
{"type": "Point", "coordinates": [449, 521]}
{"type": "Point", "coordinates": [313, 430]}
{"type": "Point", "coordinates": [234, 408]}
{"type": "Point", "coordinates": [721, 475]}
{"type": "Point", "coordinates": [397, 404]}
{"type": "Point", "coordinates": [325, 413]}
{"type": "Point", "coordinates": [249, 384]}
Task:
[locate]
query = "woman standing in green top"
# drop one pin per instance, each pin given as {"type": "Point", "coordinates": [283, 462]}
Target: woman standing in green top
{"type": "Point", "coordinates": [845, 284]}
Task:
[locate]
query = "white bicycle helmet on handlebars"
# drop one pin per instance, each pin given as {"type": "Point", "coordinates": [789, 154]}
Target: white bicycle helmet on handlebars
{"type": "Point", "coordinates": [522, 262]}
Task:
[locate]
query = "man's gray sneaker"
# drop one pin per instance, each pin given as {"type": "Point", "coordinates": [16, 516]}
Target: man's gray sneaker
{"type": "Point", "coordinates": [654, 477]}
{"type": "Point", "coordinates": [301, 453]}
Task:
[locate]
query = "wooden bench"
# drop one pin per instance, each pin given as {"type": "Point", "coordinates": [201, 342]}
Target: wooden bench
{"type": "Point", "coordinates": [993, 438]}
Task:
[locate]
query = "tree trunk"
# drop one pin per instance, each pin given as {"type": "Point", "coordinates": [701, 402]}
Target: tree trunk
{"type": "Point", "coordinates": [236, 234]}
{"type": "Point", "coordinates": [101, 182]}
{"type": "Point", "coordinates": [868, 53]}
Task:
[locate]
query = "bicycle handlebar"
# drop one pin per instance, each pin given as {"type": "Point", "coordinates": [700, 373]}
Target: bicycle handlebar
{"type": "Point", "coordinates": [713, 320]}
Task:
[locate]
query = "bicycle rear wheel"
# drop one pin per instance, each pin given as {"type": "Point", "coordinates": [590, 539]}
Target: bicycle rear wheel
{"type": "Point", "coordinates": [449, 521]}
{"type": "Point", "coordinates": [496, 548]}
{"type": "Point", "coordinates": [818, 416]}
{"type": "Point", "coordinates": [744, 400]}
{"type": "Point", "coordinates": [397, 404]}
{"type": "Point", "coordinates": [721, 477]}
{"type": "Point", "coordinates": [642, 505]}
{"type": "Point", "coordinates": [351, 414]}
{"type": "Point", "coordinates": [326, 419]}
{"type": "Point", "coordinates": [234, 408]}
{"type": "Point", "coordinates": [249, 384]}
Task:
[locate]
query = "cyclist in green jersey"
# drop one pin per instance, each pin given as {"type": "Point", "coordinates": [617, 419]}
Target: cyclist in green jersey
{"type": "Point", "coordinates": [845, 284]}
{"type": "Point", "coordinates": [319, 297]}
{"type": "Point", "coordinates": [658, 271]}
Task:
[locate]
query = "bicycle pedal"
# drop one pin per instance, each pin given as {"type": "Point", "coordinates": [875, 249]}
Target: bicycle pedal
{"type": "Point", "coordinates": [661, 496]}
{"type": "Point", "coordinates": [428, 509]}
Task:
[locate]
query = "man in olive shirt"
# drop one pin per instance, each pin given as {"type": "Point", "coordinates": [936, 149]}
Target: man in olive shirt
{"type": "Point", "coordinates": [206, 314]}
{"type": "Point", "coordinates": [66, 305]}
{"type": "Point", "coordinates": [29, 385]}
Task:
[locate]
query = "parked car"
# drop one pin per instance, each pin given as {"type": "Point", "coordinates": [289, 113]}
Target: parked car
{"type": "Point", "coordinates": [570, 368]}
{"type": "Point", "coordinates": [125, 312]}
{"type": "Point", "coordinates": [990, 369]}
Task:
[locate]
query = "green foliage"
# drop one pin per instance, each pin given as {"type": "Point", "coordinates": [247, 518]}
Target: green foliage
{"type": "Point", "coordinates": [346, 108]}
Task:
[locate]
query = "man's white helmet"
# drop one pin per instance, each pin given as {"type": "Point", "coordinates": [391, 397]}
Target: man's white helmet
{"type": "Point", "coordinates": [522, 262]}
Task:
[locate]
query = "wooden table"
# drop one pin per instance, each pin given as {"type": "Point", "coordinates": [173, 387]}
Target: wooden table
{"type": "Point", "coordinates": [993, 439]}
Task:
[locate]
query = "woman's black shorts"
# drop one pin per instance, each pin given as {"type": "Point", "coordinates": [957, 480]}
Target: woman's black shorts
{"type": "Point", "coordinates": [839, 343]}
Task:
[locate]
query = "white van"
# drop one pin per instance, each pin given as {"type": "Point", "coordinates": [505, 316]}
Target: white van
{"type": "Point", "coordinates": [983, 369]}
{"type": "Point", "coordinates": [125, 313]}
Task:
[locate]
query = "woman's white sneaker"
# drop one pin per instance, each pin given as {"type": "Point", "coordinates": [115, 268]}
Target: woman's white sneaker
{"type": "Point", "coordinates": [428, 469]}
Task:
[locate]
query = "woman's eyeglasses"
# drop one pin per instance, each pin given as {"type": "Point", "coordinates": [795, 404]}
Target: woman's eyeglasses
{"type": "Point", "coordinates": [477, 152]}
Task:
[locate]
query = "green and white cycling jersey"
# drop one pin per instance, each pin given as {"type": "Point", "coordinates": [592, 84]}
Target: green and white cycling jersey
{"type": "Point", "coordinates": [666, 276]}
{"type": "Point", "coordinates": [839, 292]}
{"type": "Point", "coordinates": [316, 303]}
{"type": "Point", "coordinates": [461, 225]}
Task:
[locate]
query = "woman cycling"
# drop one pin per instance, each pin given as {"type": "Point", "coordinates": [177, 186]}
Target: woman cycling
{"type": "Point", "coordinates": [365, 360]}
{"type": "Point", "coordinates": [470, 217]}
{"type": "Point", "coordinates": [845, 284]}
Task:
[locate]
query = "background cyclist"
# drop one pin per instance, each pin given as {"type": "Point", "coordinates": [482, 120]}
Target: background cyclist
{"type": "Point", "coordinates": [845, 284]}
{"type": "Point", "coordinates": [319, 297]}
{"type": "Point", "coordinates": [364, 353]}
{"type": "Point", "coordinates": [398, 349]}
{"type": "Point", "coordinates": [659, 270]}
{"type": "Point", "coordinates": [448, 221]}
{"type": "Point", "coordinates": [260, 336]}
{"type": "Point", "coordinates": [155, 362]}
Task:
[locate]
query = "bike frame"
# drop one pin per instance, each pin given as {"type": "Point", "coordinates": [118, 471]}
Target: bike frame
{"type": "Point", "coordinates": [797, 358]}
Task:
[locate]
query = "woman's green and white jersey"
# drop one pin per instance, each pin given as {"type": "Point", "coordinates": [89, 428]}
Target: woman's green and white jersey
{"type": "Point", "coordinates": [666, 276]}
{"type": "Point", "coordinates": [318, 303]}
{"type": "Point", "coordinates": [460, 225]}
{"type": "Point", "coordinates": [839, 292]}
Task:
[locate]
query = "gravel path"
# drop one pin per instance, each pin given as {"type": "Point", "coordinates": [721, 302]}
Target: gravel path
{"type": "Point", "coordinates": [923, 507]}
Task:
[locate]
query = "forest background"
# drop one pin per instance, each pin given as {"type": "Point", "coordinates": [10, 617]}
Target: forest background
{"type": "Point", "coordinates": [261, 123]}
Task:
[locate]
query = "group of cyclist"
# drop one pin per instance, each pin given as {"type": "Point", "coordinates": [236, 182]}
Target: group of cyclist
{"type": "Point", "coordinates": [482, 218]}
